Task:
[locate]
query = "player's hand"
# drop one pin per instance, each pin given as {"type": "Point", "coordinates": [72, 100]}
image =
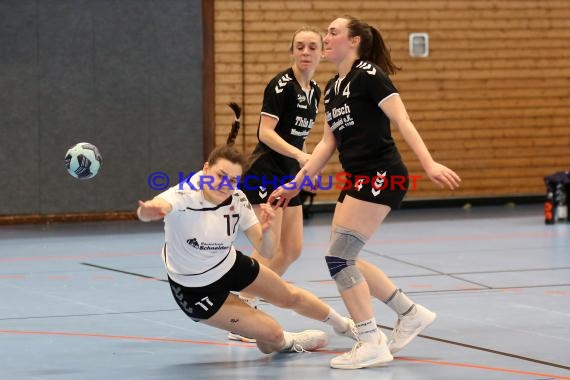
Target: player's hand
{"type": "Point", "coordinates": [302, 158]}
{"type": "Point", "coordinates": [443, 176]}
{"type": "Point", "coordinates": [266, 217]}
{"type": "Point", "coordinates": [281, 197]}
{"type": "Point", "coordinates": [150, 210]}
{"type": "Point", "coordinates": [311, 187]}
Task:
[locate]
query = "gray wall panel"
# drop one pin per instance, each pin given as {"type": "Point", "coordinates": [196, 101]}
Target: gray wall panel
{"type": "Point", "coordinates": [122, 95]}
{"type": "Point", "coordinates": [176, 85]}
{"type": "Point", "coordinates": [66, 100]}
{"type": "Point", "coordinates": [19, 144]}
{"type": "Point", "coordinates": [124, 75]}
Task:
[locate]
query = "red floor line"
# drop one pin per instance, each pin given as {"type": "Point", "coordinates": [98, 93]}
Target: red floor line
{"type": "Point", "coordinates": [76, 257]}
{"type": "Point", "coordinates": [125, 337]}
{"type": "Point", "coordinates": [475, 366]}
{"type": "Point", "coordinates": [226, 344]}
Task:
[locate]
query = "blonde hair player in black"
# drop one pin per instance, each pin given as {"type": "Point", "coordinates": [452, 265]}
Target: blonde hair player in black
{"type": "Point", "coordinates": [360, 103]}
{"type": "Point", "coordinates": [201, 221]}
{"type": "Point", "coordinates": [290, 104]}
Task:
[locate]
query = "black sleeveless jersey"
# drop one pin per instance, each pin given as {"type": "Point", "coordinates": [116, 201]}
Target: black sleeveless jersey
{"type": "Point", "coordinates": [285, 100]}
{"type": "Point", "coordinates": [361, 129]}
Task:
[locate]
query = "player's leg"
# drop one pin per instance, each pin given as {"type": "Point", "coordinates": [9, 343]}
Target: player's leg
{"type": "Point", "coordinates": [272, 288]}
{"type": "Point", "coordinates": [287, 229]}
{"type": "Point", "coordinates": [214, 305]}
{"type": "Point", "coordinates": [236, 316]}
{"type": "Point", "coordinates": [291, 239]}
{"type": "Point", "coordinates": [349, 234]}
{"type": "Point", "coordinates": [251, 300]}
{"type": "Point", "coordinates": [412, 318]}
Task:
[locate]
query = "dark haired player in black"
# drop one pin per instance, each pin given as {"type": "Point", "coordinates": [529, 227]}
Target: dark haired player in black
{"type": "Point", "coordinates": [360, 103]}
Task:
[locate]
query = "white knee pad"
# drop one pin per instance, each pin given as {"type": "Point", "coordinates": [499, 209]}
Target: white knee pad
{"type": "Point", "coordinates": [341, 261]}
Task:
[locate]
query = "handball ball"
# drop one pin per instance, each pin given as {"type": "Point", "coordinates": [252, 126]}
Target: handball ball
{"type": "Point", "coordinates": [83, 160]}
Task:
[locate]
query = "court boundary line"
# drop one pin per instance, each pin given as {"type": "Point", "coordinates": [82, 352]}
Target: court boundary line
{"type": "Point", "coordinates": [465, 345]}
{"type": "Point", "coordinates": [124, 272]}
{"type": "Point", "coordinates": [88, 314]}
{"type": "Point", "coordinates": [249, 345]}
{"type": "Point", "coordinates": [455, 276]}
{"type": "Point", "coordinates": [489, 350]}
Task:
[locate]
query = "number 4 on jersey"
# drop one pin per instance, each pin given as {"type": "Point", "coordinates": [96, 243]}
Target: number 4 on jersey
{"type": "Point", "coordinates": [346, 91]}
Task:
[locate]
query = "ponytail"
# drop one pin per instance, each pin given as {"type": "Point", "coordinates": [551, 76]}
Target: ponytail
{"type": "Point", "coordinates": [229, 151]}
{"type": "Point", "coordinates": [380, 53]}
{"type": "Point", "coordinates": [235, 125]}
{"type": "Point", "coordinates": [372, 47]}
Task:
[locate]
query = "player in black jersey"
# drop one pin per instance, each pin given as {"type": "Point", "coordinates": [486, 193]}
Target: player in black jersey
{"type": "Point", "coordinates": [360, 103]}
{"type": "Point", "coordinates": [290, 104]}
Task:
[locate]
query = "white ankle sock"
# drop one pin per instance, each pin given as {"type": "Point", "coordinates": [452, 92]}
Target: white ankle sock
{"type": "Point", "coordinates": [368, 331]}
{"type": "Point", "coordinates": [287, 340]}
{"type": "Point", "coordinates": [335, 320]}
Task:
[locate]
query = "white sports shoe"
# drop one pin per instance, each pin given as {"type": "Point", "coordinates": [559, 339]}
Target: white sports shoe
{"type": "Point", "coordinates": [239, 338]}
{"type": "Point", "coordinates": [364, 354]}
{"type": "Point", "coordinates": [409, 326]}
{"type": "Point", "coordinates": [308, 340]}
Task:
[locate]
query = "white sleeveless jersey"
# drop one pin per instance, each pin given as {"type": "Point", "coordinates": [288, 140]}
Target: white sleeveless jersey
{"type": "Point", "coordinates": [199, 235]}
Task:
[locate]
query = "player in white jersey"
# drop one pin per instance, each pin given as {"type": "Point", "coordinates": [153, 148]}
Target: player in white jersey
{"type": "Point", "coordinates": [360, 103]}
{"type": "Point", "coordinates": [201, 220]}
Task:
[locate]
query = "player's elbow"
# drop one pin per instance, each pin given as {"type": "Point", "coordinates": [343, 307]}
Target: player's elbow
{"type": "Point", "coordinates": [265, 136]}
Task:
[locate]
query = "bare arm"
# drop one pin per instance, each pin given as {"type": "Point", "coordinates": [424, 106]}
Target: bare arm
{"type": "Point", "coordinates": [269, 137]}
{"type": "Point", "coordinates": [260, 236]}
{"type": "Point", "coordinates": [321, 155]}
{"type": "Point", "coordinates": [394, 108]}
{"type": "Point", "coordinates": [155, 209]}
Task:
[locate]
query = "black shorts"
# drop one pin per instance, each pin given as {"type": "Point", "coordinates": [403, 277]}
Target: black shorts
{"type": "Point", "coordinates": [384, 185]}
{"type": "Point", "coordinates": [203, 302]}
{"type": "Point", "coordinates": [257, 189]}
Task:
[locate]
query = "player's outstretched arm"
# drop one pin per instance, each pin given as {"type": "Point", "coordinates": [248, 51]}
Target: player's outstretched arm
{"type": "Point", "coordinates": [154, 209]}
{"type": "Point", "coordinates": [320, 156]}
{"type": "Point", "coordinates": [440, 174]}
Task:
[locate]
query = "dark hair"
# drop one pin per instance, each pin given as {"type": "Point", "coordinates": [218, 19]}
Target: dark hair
{"type": "Point", "coordinates": [313, 29]}
{"type": "Point", "coordinates": [230, 153]}
{"type": "Point", "coordinates": [372, 47]}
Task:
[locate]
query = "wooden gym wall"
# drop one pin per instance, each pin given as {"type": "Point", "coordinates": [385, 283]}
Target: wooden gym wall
{"type": "Point", "coordinates": [492, 100]}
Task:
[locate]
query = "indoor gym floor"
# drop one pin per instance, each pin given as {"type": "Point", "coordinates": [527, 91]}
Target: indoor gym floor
{"type": "Point", "coordinates": [89, 301]}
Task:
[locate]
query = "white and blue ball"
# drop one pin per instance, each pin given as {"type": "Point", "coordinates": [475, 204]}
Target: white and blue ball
{"type": "Point", "coordinates": [83, 160]}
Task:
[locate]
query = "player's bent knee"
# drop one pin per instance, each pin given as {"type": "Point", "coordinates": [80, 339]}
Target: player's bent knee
{"type": "Point", "coordinates": [270, 338]}
{"type": "Point", "coordinates": [272, 335]}
{"type": "Point", "coordinates": [266, 348]}
{"type": "Point", "coordinates": [274, 345]}
{"type": "Point", "coordinates": [341, 261]}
